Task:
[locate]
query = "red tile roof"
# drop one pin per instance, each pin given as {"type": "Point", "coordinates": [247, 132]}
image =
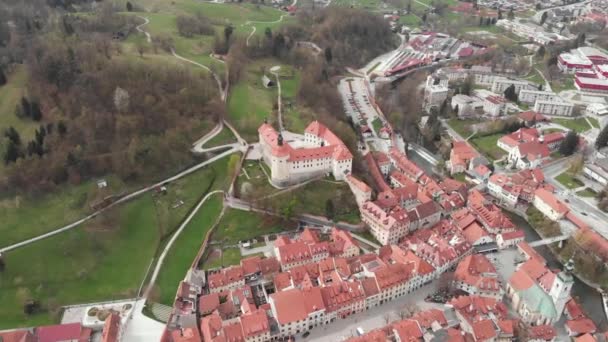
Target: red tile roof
{"type": "Point", "coordinates": [581, 326]}
{"type": "Point", "coordinates": [17, 336]}
{"type": "Point", "coordinates": [255, 323]}
{"type": "Point", "coordinates": [542, 332]}
{"type": "Point", "coordinates": [111, 328]}
{"type": "Point", "coordinates": [549, 199]}
{"type": "Point", "coordinates": [295, 305]}
{"type": "Point", "coordinates": [408, 330]}
{"type": "Point", "coordinates": [372, 336]}
{"type": "Point", "coordinates": [574, 309]}
{"type": "Point", "coordinates": [55, 333]}
{"type": "Point", "coordinates": [186, 335]}
{"type": "Point", "coordinates": [477, 271]}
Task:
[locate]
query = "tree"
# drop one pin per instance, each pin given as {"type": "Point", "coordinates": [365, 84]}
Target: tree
{"type": "Point", "coordinates": [268, 33]}
{"type": "Point", "coordinates": [541, 51]}
{"type": "Point", "coordinates": [569, 144]}
{"type": "Point", "coordinates": [480, 21]}
{"type": "Point", "coordinates": [499, 13]}
{"type": "Point", "coordinates": [328, 55]}
{"type": "Point", "coordinates": [330, 211]}
{"type": "Point", "coordinates": [36, 113]}
{"type": "Point", "coordinates": [510, 93]}
{"type": "Point", "coordinates": [129, 6]}
{"type": "Point", "coordinates": [11, 153]}
{"type": "Point", "coordinates": [121, 99]}
{"type": "Point", "coordinates": [409, 7]}
{"type": "Point", "coordinates": [543, 18]}
{"type": "Point", "coordinates": [26, 107]}
{"type": "Point", "coordinates": [538, 6]}
{"type": "Point", "coordinates": [228, 33]}
{"type": "Point", "coordinates": [62, 128]}
{"type": "Point", "coordinates": [12, 135]}
{"type": "Point", "coordinates": [488, 21]}
{"type": "Point", "coordinates": [602, 138]}
{"type": "Point", "coordinates": [423, 18]}
{"type": "Point", "coordinates": [2, 263]}
{"type": "Point", "coordinates": [511, 15]}
{"type": "Point", "coordinates": [2, 77]}
{"type": "Point", "coordinates": [580, 39]}
{"type": "Point", "coordinates": [467, 86]}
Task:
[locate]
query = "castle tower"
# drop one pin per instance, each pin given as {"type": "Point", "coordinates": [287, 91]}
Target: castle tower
{"type": "Point", "coordinates": [560, 290]}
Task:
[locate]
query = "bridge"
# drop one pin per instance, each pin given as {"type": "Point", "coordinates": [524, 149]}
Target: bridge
{"type": "Point", "coordinates": [424, 153]}
{"type": "Point", "coordinates": [550, 240]}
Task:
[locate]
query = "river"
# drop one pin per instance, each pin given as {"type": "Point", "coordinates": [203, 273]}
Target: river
{"type": "Point", "coordinates": [588, 297]}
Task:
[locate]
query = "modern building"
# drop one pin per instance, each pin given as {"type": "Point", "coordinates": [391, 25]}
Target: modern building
{"type": "Point", "coordinates": [321, 152]}
{"type": "Point", "coordinates": [501, 84]}
{"type": "Point", "coordinates": [597, 171]}
{"type": "Point", "coordinates": [556, 107]}
{"type": "Point", "coordinates": [530, 96]}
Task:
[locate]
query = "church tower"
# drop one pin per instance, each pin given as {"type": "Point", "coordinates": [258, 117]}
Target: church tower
{"type": "Point", "coordinates": [560, 290]}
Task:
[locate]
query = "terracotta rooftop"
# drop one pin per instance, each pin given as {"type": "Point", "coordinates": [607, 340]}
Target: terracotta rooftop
{"type": "Point", "coordinates": [552, 201]}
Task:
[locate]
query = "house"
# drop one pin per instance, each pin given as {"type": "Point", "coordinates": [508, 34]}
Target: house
{"type": "Point", "coordinates": [476, 275]}
{"type": "Point", "coordinates": [480, 316]}
{"type": "Point", "coordinates": [529, 155]}
{"type": "Point", "coordinates": [597, 171]}
{"type": "Point", "coordinates": [111, 329]}
{"type": "Point", "coordinates": [580, 326]}
{"type": "Point", "coordinates": [530, 118]}
{"type": "Point", "coordinates": [464, 157]}
{"type": "Point", "coordinates": [509, 239]}
{"type": "Point", "coordinates": [512, 189]}
{"type": "Point", "coordinates": [225, 279]}
{"type": "Point", "coordinates": [298, 310]}
{"type": "Point", "coordinates": [321, 152]}
{"type": "Point", "coordinates": [360, 189]}
{"type": "Point", "coordinates": [17, 336]}
{"type": "Point", "coordinates": [541, 333]}
{"type": "Point", "coordinates": [548, 204]}
{"type": "Point", "coordinates": [63, 332]}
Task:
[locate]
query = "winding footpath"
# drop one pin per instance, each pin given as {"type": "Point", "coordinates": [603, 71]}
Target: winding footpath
{"type": "Point", "coordinates": [161, 258]}
{"type": "Point", "coordinates": [253, 28]}
{"type": "Point", "coordinates": [275, 71]}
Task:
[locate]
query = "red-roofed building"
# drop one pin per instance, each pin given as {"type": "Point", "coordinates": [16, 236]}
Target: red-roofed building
{"type": "Point", "coordinates": [255, 326]}
{"type": "Point", "coordinates": [343, 299]}
{"type": "Point", "coordinates": [360, 189]}
{"type": "Point", "coordinates": [541, 333]}
{"type": "Point", "coordinates": [186, 335]}
{"type": "Point", "coordinates": [111, 329]}
{"type": "Point", "coordinates": [407, 331]}
{"type": "Point", "coordinates": [298, 310]}
{"type": "Point", "coordinates": [519, 187]}
{"type": "Point", "coordinates": [510, 239]}
{"type": "Point", "coordinates": [464, 157]}
{"type": "Point", "coordinates": [63, 332]}
{"type": "Point", "coordinates": [226, 279]}
{"type": "Point", "coordinates": [548, 204]}
{"type": "Point", "coordinates": [321, 152]}
{"type": "Point", "coordinates": [372, 336]}
{"type": "Point", "coordinates": [17, 336]}
{"type": "Point", "coordinates": [488, 214]}
{"type": "Point", "coordinates": [479, 316]}
{"type": "Point", "coordinates": [530, 118]}
{"type": "Point", "coordinates": [476, 275]}
{"type": "Point", "coordinates": [580, 326]}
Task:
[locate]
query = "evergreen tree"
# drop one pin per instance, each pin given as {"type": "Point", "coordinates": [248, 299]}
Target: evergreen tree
{"type": "Point", "coordinates": [11, 154]}
{"type": "Point", "coordinates": [569, 144]}
{"type": "Point", "coordinates": [602, 138]}
{"type": "Point", "coordinates": [328, 55]}
{"type": "Point", "coordinates": [499, 13]}
{"type": "Point", "coordinates": [543, 18]}
{"type": "Point", "coordinates": [510, 93]}
{"type": "Point", "coordinates": [2, 263]}
{"type": "Point", "coordinates": [35, 111]}
{"type": "Point", "coordinates": [2, 77]}
{"type": "Point", "coordinates": [409, 7]}
{"type": "Point", "coordinates": [330, 210]}
{"type": "Point", "coordinates": [480, 21]}
{"type": "Point", "coordinates": [424, 18]}
{"type": "Point", "coordinates": [541, 51]}
{"type": "Point", "coordinates": [26, 107]}
{"type": "Point", "coordinates": [129, 6]}
{"type": "Point", "coordinates": [268, 33]}
{"type": "Point", "coordinates": [62, 128]}
{"type": "Point", "coordinates": [488, 21]}
{"type": "Point", "coordinates": [12, 135]}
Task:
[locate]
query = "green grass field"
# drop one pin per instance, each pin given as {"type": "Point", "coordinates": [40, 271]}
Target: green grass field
{"type": "Point", "coordinates": [187, 245]}
{"type": "Point", "coordinates": [567, 180]}
{"type": "Point", "coordinates": [579, 124]}
{"type": "Point", "coordinates": [594, 122]}
{"type": "Point", "coordinates": [224, 137]}
{"type": "Point", "coordinates": [463, 127]}
{"type": "Point", "coordinates": [587, 192]}
{"type": "Point", "coordinates": [410, 20]}
{"type": "Point", "coordinates": [79, 266]}
{"type": "Point", "coordinates": [250, 102]}
{"type": "Point", "coordinates": [89, 262]}
{"type": "Point", "coordinates": [487, 146]}
{"type": "Point", "coordinates": [237, 225]}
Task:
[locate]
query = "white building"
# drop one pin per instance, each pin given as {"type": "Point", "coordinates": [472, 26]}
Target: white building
{"type": "Point", "coordinates": [465, 104]}
{"type": "Point", "coordinates": [549, 205]}
{"type": "Point", "coordinates": [435, 91]}
{"type": "Point", "coordinates": [597, 171]}
{"type": "Point", "coordinates": [556, 107]}
{"type": "Point", "coordinates": [502, 83]}
{"type": "Point", "coordinates": [598, 109]}
{"type": "Point", "coordinates": [494, 105]}
{"type": "Point", "coordinates": [483, 75]}
{"type": "Point", "coordinates": [321, 152]}
{"type": "Point", "coordinates": [530, 96]}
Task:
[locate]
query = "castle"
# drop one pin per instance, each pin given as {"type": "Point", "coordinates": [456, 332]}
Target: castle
{"type": "Point", "coordinates": [319, 152]}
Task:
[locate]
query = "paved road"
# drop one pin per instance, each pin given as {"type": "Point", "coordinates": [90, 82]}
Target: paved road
{"type": "Point", "coordinates": [593, 216]}
{"type": "Point", "coordinates": [161, 258]}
